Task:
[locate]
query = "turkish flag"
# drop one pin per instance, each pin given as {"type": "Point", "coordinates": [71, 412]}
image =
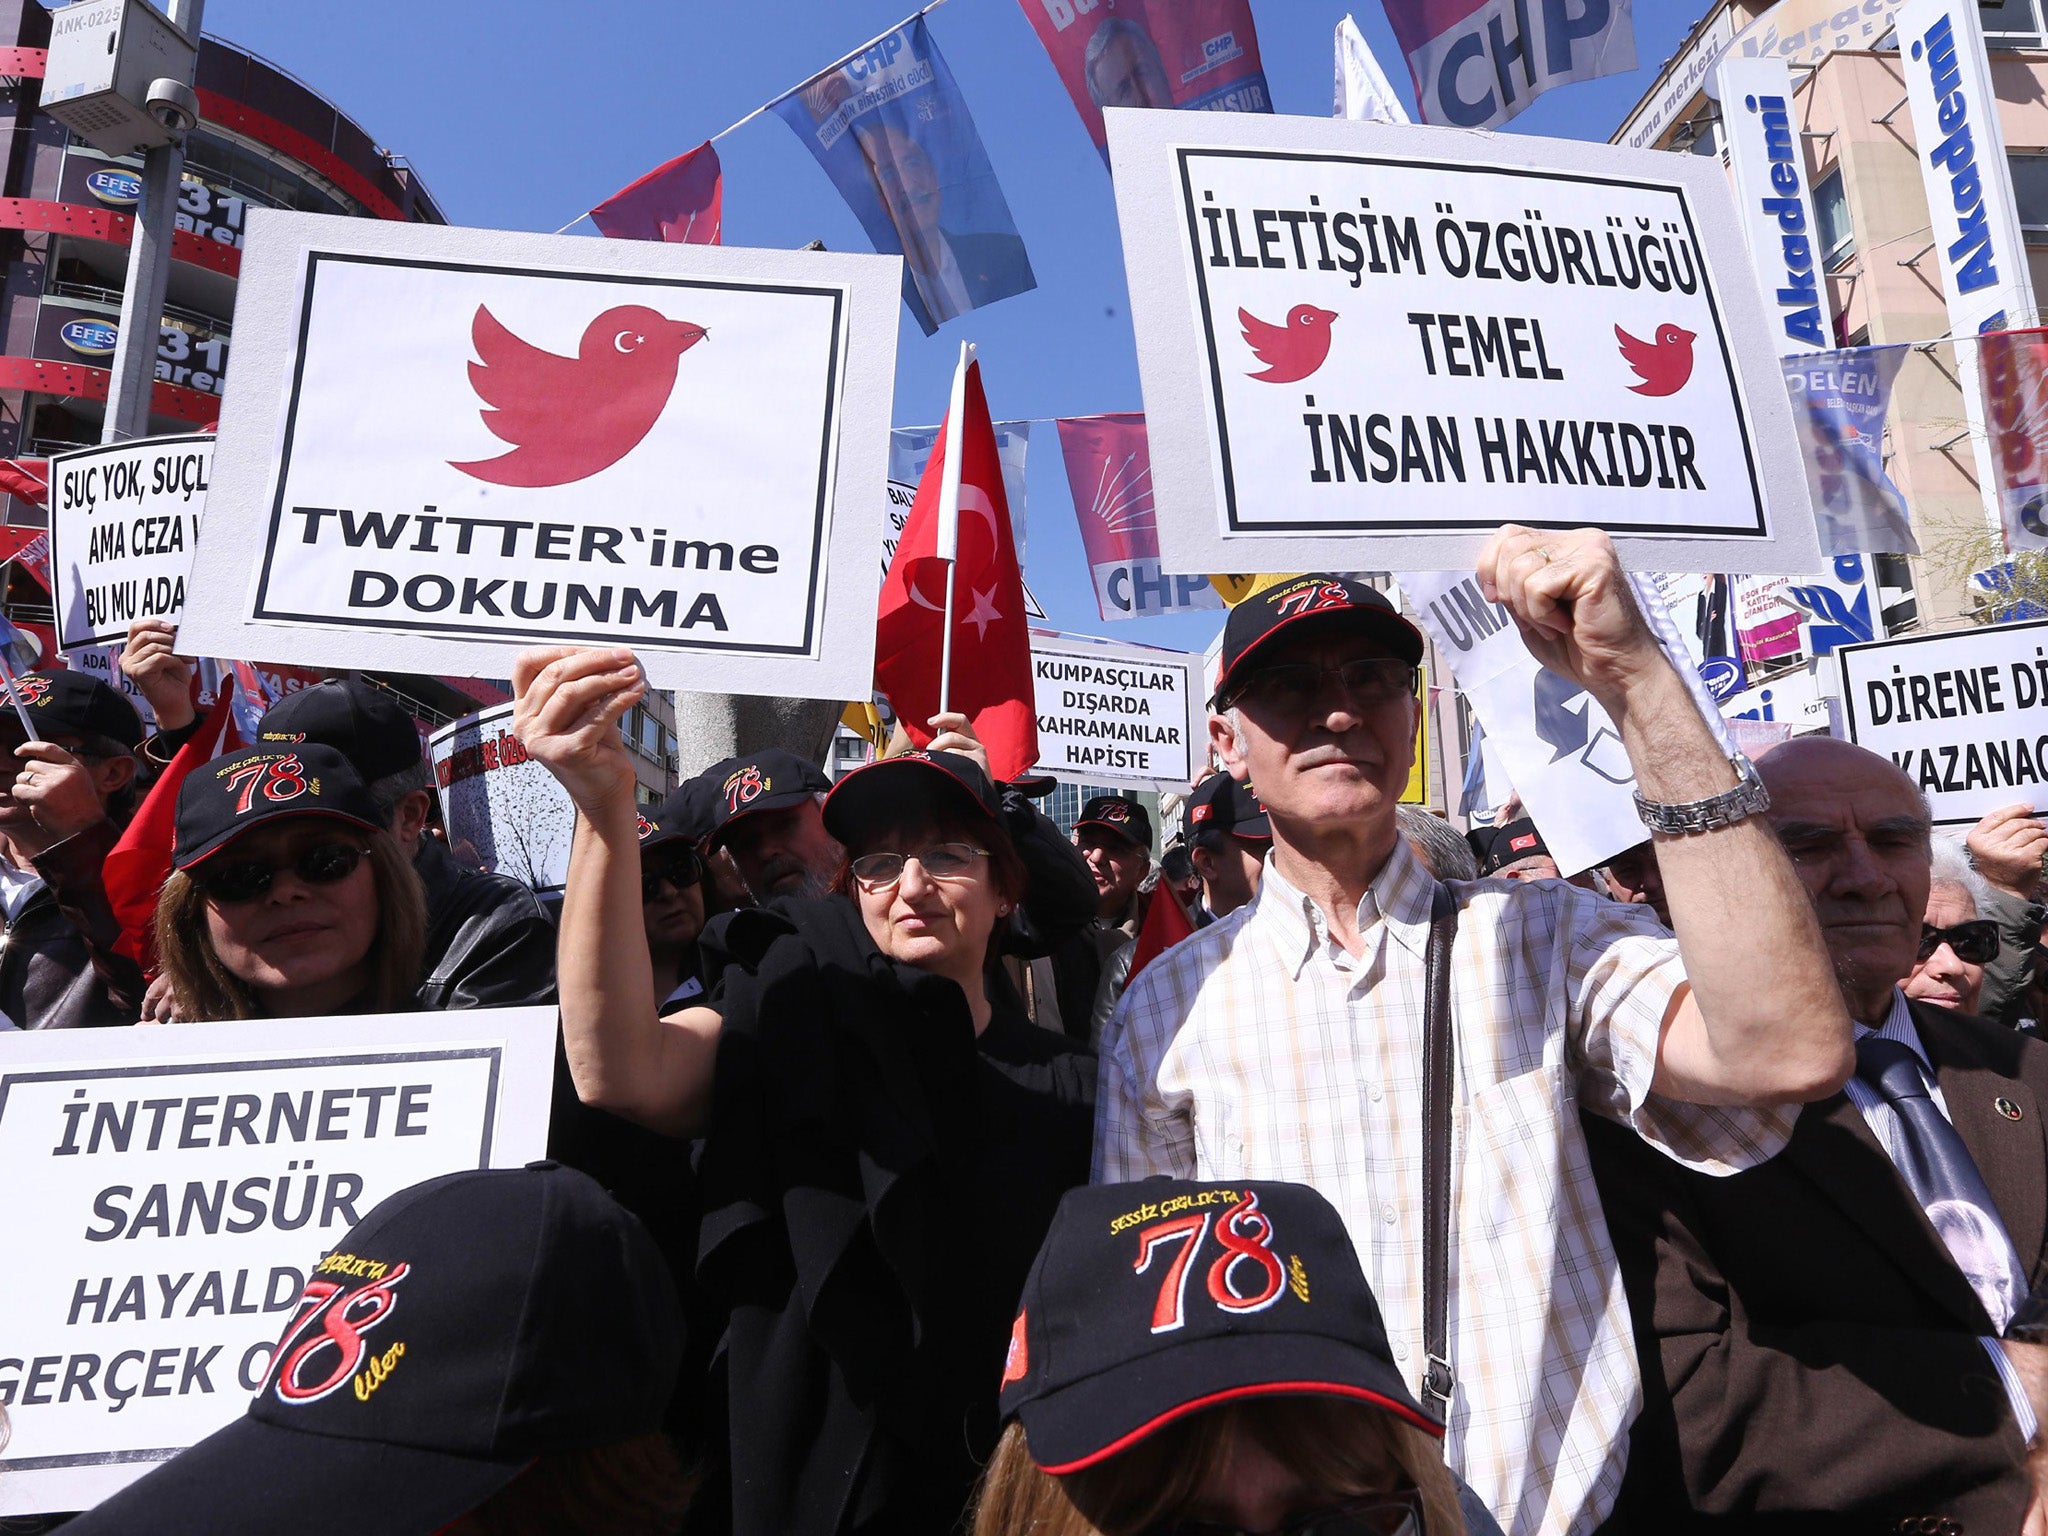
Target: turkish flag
{"type": "Point", "coordinates": [1165, 925]}
{"type": "Point", "coordinates": [681, 202]}
{"type": "Point", "coordinates": [991, 645]}
{"type": "Point", "coordinates": [137, 866]}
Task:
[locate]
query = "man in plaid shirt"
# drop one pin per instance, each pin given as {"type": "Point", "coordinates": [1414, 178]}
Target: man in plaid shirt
{"type": "Point", "coordinates": [1286, 1040]}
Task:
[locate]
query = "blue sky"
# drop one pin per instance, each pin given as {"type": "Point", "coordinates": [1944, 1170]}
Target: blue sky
{"type": "Point", "coordinates": [520, 115]}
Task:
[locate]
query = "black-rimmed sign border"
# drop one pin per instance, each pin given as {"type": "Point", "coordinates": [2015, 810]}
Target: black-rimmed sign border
{"type": "Point", "coordinates": [260, 613]}
{"type": "Point", "coordinates": [493, 1053]}
{"type": "Point", "coordinates": [119, 636]}
{"type": "Point", "coordinates": [1455, 525]}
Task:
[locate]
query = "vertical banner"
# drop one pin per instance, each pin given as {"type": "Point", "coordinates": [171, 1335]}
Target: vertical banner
{"type": "Point", "coordinates": [893, 132]}
{"type": "Point", "coordinates": [1769, 169]}
{"type": "Point", "coordinates": [170, 1192]}
{"type": "Point", "coordinates": [1476, 63]}
{"type": "Point", "coordinates": [1973, 214]}
{"type": "Point", "coordinates": [1197, 54]}
{"type": "Point", "coordinates": [1839, 404]}
{"type": "Point", "coordinates": [910, 449]}
{"type": "Point", "coordinates": [2013, 366]}
{"type": "Point", "coordinates": [1109, 472]}
{"type": "Point", "coordinates": [505, 813]}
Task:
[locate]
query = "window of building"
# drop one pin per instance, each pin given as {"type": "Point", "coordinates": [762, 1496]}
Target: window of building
{"type": "Point", "coordinates": [1831, 215]}
{"type": "Point", "coordinates": [2012, 22]}
{"type": "Point", "coordinates": [2030, 192]}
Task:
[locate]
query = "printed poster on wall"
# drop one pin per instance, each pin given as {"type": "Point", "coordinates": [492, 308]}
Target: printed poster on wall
{"type": "Point", "coordinates": [505, 813]}
{"type": "Point", "coordinates": [124, 524]}
{"type": "Point", "coordinates": [1117, 714]}
{"type": "Point", "coordinates": [1350, 330]}
{"type": "Point", "coordinates": [176, 1186]}
{"type": "Point", "coordinates": [602, 442]}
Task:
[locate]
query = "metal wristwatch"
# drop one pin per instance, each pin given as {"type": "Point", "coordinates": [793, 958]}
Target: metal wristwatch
{"type": "Point", "coordinates": [1747, 798]}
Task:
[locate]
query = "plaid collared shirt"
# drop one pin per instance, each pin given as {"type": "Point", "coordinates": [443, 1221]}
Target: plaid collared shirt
{"type": "Point", "coordinates": [1258, 1048]}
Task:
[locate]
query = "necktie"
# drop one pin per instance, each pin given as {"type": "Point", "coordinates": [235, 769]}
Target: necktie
{"type": "Point", "coordinates": [1938, 1168]}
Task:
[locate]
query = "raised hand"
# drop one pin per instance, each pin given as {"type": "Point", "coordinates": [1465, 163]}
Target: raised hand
{"type": "Point", "coordinates": [567, 703]}
{"type": "Point", "coordinates": [150, 661]}
{"type": "Point", "coordinates": [59, 792]}
{"type": "Point", "coordinates": [955, 733]}
{"type": "Point", "coordinates": [2007, 847]}
{"type": "Point", "coordinates": [1571, 601]}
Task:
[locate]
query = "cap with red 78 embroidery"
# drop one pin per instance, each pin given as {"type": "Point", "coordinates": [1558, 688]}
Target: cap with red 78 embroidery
{"type": "Point", "coordinates": [1155, 1300]}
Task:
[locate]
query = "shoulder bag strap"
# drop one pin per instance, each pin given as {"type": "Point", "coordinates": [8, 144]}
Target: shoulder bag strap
{"type": "Point", "coordinates": [1438, 1380]}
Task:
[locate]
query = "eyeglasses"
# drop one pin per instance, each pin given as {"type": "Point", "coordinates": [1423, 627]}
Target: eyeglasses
{"type": "Point", "coordinates": [1292, 687]}
{"type": "Point", "coordinates": [1380, 1515]}
{"type": "Point", "coordinates": [941, 861]}
{"type": "Point", "coordinates": [1974, 943]}
{"type": "Point", "coordinates": [248, 879]}
{"type": "Point", "coordinates": [682, 872]}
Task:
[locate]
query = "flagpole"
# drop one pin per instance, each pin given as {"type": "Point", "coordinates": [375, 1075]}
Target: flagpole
{"type": "Point", "coordinates": [14, 697]}
{"type": "Point", "coordinates": [948, 540]}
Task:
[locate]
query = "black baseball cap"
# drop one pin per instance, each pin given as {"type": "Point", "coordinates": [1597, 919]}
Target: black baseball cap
{"type": "Point", "coordinates": [1152, 1301]}
{"type": "Point", "coordinates": [504, 1314]}
{"type": "Point", "coordinates": [221, 800]}
{"type": "Point", "coordinates": [76, 704]}
{"type": "Point", "coordinates": [1500, 846]}
{"type": "Point", "coordinates": [1127, 818]}
{"type": "Point", "coordinates": [670, 822]}
{"type": "Point", "coordinates": [879, 792]}
{"type": "Point", "coordinates": [362, 722]}
{"type": "Point", "coordinates": [1221, 804]}
{"type": "Point", "coordinates": [1307, 604]}
{"type": "Point", "coordinates": [773, 780]}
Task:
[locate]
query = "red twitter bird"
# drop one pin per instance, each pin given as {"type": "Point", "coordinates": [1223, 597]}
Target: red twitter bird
{"type": "Point", "coordinates": [569, 417]}
{"type": "Point", "coordinates": [1663, 365]}
{"type": "Point", "coordinates": [1292, 351]}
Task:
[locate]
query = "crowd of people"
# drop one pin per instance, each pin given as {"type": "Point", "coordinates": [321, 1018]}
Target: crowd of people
{"type": "Point", "coordinates": [897, 1188]}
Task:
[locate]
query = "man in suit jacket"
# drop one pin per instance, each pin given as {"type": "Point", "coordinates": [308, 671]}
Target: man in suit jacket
{"type": "Point", "coordinates": [1820, 1340]}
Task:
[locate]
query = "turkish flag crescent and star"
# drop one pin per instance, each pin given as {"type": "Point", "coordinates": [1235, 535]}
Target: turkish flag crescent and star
{"type": "Point", "coordinates": [991, 644]}
{"type": "Point", "coordinates": [681, 202]}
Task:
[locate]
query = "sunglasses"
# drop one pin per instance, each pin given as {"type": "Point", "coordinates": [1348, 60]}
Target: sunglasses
{"type": "Point", "coordinates": [247, 879]}
{"type": "Point", "coordinates": [681, 871]}
{"type": "Point", "coordinates": [941, 861]}
{"type": "Point", "coordinates": [1381, 1515]}
{"type": "Point", "coordinates": [1293, 687]}
{"type": "Point", "coordinates": [1974, 943]}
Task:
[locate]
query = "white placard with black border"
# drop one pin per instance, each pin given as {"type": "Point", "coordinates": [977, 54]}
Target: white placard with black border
{"type": "Point", "coordinates": [1368, 344]}
{"type": "Point", "coordinates": [441, 445]}
{"type": "Point", "coordinates": [1963, 713]}
{"type": "Point", "coordinates": [1112, 713]}
{"type": "Point", "coordinates": [169, 1188]}
{"type": "Point", "coordinates": [124, 525]}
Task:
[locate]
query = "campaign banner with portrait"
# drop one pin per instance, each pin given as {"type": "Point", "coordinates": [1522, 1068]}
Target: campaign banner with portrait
{"type": "Point", "coordinates": [1198, 55]}
{"type": "Point", "coordinates": [171, 1190]}
{"type": "Point", "coordinates": [1117, 714]}
{"type": "Point", "coordinates": [124, 525]}
{"type": "Point", "coordinates": [1352, 329]}
{"type": "Point", "coordinates": [599, 442]}
{"type": "Point", "coordinates": [892, 130]}
{"type": "Point", "coordinates": [1963, 713]}
{"type": "Point", "coordinates": [505, 813]}
{"type": "Point", "coordinates": [1109, 474]}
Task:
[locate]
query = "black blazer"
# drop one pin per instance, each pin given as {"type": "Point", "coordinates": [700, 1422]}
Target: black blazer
{"type": "Point", "coordinates": [1810, 1352]}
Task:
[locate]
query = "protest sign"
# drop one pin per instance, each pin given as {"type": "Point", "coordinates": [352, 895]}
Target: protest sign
{"type": "Point", "coordinates": [1350, 328]}
{"type": "Point", "coordinates": [1964, 713]}
{"type": "Point", "coordinates": [124, 523]}
{"type": "Point", "coordinates": [1109, 475]}
{"type": "Point", "coordinates": [1554, 741]}
{"type": "Point", "coordinates": [1117, 714]}
{"type": "Point", "coordinates": [169, 1191]}
{"type": "Point", "coordinates": [505, 813]}
{"type": "Point", "coordinates": [606, 442]}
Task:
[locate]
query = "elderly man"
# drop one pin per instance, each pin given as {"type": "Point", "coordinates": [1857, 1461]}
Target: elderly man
{"type": "Point", "coordinates": [1288, 1040]}
{"type": "Point", "coordinates": [1820, 1336]}
{"type": "Point", "coordinates": [1957, 937]}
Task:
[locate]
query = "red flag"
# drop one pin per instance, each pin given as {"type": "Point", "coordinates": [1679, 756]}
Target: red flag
{"type": "Point", "coordinates": [137, 866]}
{"type": "Point", "coordinates": [27, 478]}
{"type": "Point", "coordinates": [991, 645]}
{"type": "Point", "coordinates": [682, 202]}
{"type": "Point", "coordinates": [1165, 925]}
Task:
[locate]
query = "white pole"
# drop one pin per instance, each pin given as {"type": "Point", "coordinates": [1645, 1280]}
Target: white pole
{"type": "Point", "coordinates": [949, 516]}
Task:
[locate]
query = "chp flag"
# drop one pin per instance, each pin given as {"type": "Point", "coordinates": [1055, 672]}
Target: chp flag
{"type": "Point", "coordinates": [1351, 329]}
{"type": "Point", "coordinates": [601, 442]}
{"type": "Point", "coordinates": [172, 1191]}
{"type": "Point", "coordinates": [1109, 473]}
{"type": "Point", "coordinates": [1476, 63]}
{"type": "Point", "coordinates": [1111, 713]}
{"type": "Point", "coordinates": [1964, 714]}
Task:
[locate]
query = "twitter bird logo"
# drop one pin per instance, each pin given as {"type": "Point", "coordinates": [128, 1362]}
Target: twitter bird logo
{"type": "Point", "coordinates": [569, 417]}
{"type": "Point", "coordinates": [1292, 351]}
{"type": "Point", "coordinates": [1663, 365]}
